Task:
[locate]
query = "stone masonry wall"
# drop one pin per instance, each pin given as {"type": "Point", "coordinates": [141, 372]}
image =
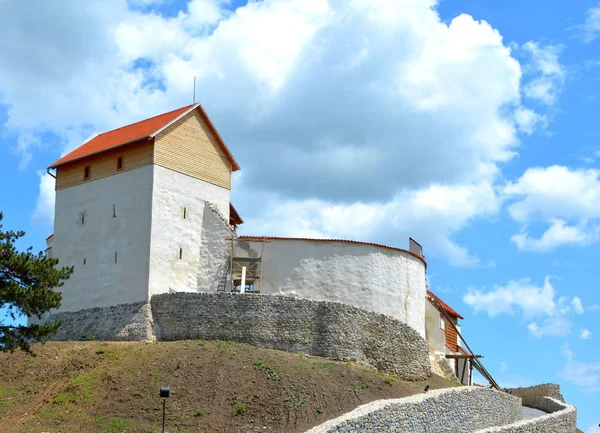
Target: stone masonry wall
{"type": "Point", "coordinates": [562, 418]}
{"type": "Point", "coordinates": [463, 409]}
{"type": "Point", "coordinates": [531, 394]}
{"type": "Point", "coordinates": [129, 322]}
{"type": "Point", "coordinates": [318, 328]}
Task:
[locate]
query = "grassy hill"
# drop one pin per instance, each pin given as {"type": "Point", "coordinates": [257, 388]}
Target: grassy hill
{"type": "Point", "coordinates": [216, 386]}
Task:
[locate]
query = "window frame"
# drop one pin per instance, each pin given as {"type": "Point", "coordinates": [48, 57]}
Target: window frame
{"type": "Point", "coordinates": [87, 172]}
{"type": "Point", "coordinates": [120, 163]}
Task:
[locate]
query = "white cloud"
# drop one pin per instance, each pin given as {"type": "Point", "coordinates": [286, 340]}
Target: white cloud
{"type": "Point", "coordinates": [591, 27]}
{"type": "Point", "coordinates": [577, 305]}
{"type": "Point", "coordinates": [552, 326]}
{"type": "Point", "coordinates": [530, 301]}
{"type": "Point", "coordinates": [44, 207]}
{"type": "Point", "coordinates": [408, 214]}
{"type": "Point", "coordinates": [594, 307]}
{"type": "Point", "coordinates": [548, 74]}
{"type": "Point", "coordinates": [586, 376]}
{"type": "Point", "coordinates": [332, 108]}
{"type": "Point", "coordinates": [585, 334]}
{"type": "Point", "coordinates": [529, 121]}
{"type": "Point", "coordinates": [503, 367]}
{"type": "Point", "coordinates": [517, 296]}
{"type": "Point", "coordinates": [568, 200]}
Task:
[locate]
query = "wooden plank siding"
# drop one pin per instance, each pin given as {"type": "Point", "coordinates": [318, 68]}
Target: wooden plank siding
{"type": "Point", "coordinates": [451, 337]}
{"type": "Point", "coordinates": [190, 147]}
{"type": "Point", "coordinates": [105, 164]}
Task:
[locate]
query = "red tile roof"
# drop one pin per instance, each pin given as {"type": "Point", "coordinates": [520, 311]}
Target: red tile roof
{"type": "Point", "coordinates": [451, 311]}
{"type": "Point", "coordinates": [143, 129]}
{"type": "Point", "coordinates": [259, 238]}
{"type": "Point", "coordinates": [234, 216]}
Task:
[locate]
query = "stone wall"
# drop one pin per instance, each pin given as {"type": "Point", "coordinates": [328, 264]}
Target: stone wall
{"type": "Point", "coordinates": [318, 328]}
{"type": "Point", "coordinates": [463, 409]}
{"type": "Point", "coordinates": [531, 394]}
{"type": "Point", "coordinates": [129, 322]}
{"type": "Point", "coordinates": [562, 418]}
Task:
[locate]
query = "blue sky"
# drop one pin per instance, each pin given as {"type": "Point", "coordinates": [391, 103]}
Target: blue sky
{"type": "Point", "coordinates": [468, 125]}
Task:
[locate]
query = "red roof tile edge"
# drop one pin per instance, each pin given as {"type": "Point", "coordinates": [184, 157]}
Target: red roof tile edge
{"type": "Point", "coordinates": [69, 158]}
{"type": "Point", "coordinates": [465, 351]}
{"type": "Point", "coordinates": [451, 311]}
{"type": "Point", "coordinates": [50, 236]}
{"type": "Point", "coordinates": [335, 240]}
{"type": "Point", "coordinates": [178, 113]}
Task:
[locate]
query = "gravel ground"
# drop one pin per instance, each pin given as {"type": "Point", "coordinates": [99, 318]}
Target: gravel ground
{"type": "Point", "coordinates": [530, 412]}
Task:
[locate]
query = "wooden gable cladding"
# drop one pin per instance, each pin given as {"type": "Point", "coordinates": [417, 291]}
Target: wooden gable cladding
{"type": "Point", "coordinates": [190, 147]}
{"type": "Point", "coordinates": [451, 337]}
{"type": "Point", "coordinates": [104, 164]}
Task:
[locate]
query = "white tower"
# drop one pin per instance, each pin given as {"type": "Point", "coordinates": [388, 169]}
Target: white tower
{"type": "Point", "coordinates": [129, 208]}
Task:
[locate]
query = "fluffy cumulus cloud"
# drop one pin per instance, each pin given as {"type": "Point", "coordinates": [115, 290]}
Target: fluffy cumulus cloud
{"type": "Point", "coordinates": [586, 376]}
{"type": "Point", "coordinates": [346, 117]}
{"type": "Point", "coordinates": [566, 200]}
{"type": "Point", "coordinates": [585, 334]}
{"type": "Point", "coordinates": [547, 315]}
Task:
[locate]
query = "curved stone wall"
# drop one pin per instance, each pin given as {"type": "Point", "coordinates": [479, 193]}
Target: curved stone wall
{"type": "Point", "coordinates": [463, 409]}
{"type": "Point", "coordinates": [318, 328]}
{"type": "Point", "coordinates": [561, 418]}
{"type": "Point", "coordinates": [375, 277]}
{"type": "Point", "coordinates": [531, 394]}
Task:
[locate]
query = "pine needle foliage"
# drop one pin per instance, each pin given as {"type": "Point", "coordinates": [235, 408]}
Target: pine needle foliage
{"type": "Point", "coordinates": [27, 283]}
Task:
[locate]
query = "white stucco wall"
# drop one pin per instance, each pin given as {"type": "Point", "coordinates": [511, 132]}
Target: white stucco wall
{"type": "Point", "coordinates": [172, 192]}
{"type": "Point", "coordinates": [383, 280]}
{"type": "Point", "coordinates": [435, 336]}
{"type": "Point", "coordinates": [101, 282]}
{"type": "Point", "coordinates": [215, 249]}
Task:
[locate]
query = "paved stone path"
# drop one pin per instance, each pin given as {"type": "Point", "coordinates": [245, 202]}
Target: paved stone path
{"type": "Point", "coordinates": [530, 413]}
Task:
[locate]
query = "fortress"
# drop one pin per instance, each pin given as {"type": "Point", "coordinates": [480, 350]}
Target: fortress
{"type": "Point", "coordinates": [145, 210]}
{"type": "Point", "coordinates": [143, 213]}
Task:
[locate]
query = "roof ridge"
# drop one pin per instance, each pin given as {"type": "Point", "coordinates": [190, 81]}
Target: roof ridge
{"type": "Point", "coordinates": [147, 118]}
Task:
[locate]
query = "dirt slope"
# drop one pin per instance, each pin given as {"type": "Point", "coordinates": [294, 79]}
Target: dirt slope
{"type": "Point", "coordinates": [215, 387]}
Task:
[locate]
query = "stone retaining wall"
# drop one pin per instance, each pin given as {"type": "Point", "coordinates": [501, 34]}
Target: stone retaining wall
{"type": "Point", "coordinates": [128, 322]}
{"type": "Point", "coordinates": [319, 328]}
{"type": "Point", "coordinates": [463, 409]}
{"type": "Point", "coordinates": [531, 394]}
{"type": "Point", "coordinates": [562, 418]}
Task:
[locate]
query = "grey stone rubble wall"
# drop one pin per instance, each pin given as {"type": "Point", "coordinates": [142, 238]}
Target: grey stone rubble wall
{"type": "Point", "coordinates": [318, 328]}
{"type": "Point", "coordinates": [128, 322]}
{"type": "Point", "coordinates": [531, 394]}
{"type": "Point", "coordinates": [562, 418]}
{"type": "Point", "coordinates": [462, 409]}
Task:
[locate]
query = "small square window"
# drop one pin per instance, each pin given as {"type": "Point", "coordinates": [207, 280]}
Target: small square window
{"type": "Point", "coordinates": [86, 172]}
{"type": "Point", "coordinates": [119, 163]}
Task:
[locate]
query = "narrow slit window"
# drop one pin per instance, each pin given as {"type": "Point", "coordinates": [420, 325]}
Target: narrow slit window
{"type": "Point", "coordinates": [114, 210]}
{"type": "Point", "coordinates": [185, 213]}
{"type": "Point", "coordinates": [116, 257]}
{"type": "Point", "coordinates": [120, 163]}
{"type": "Point", "coordinates": [82, 218]}
{"type": "Point", "coordinates": [84, 261]}
{"type": "Point", "coordinates": [86, 172]}
{"type": "Point", "coordinates": [180, 253]}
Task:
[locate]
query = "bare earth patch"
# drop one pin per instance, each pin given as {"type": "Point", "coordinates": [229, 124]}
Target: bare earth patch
{"type": "Point", "coordinates": [216, 386]}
